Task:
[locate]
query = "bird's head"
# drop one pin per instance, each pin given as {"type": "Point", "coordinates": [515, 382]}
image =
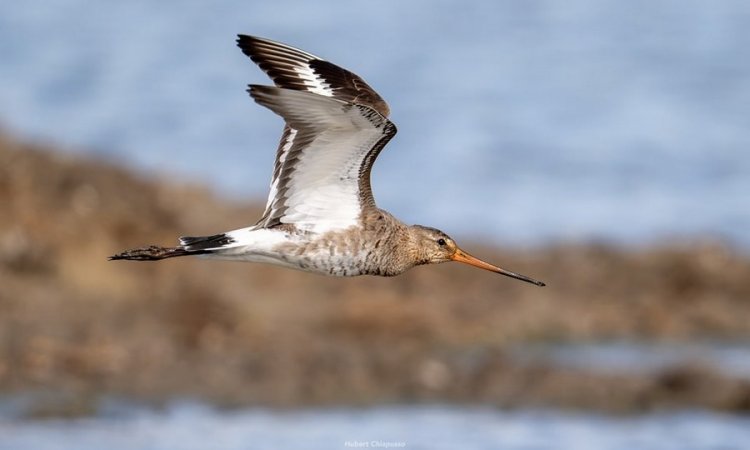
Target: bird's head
{"type": "Point", "coordinates": [434, 247]}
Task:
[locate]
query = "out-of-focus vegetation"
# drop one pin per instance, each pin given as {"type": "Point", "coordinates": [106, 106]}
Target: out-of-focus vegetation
{"type": "Point", "coordinates": [75, 327]}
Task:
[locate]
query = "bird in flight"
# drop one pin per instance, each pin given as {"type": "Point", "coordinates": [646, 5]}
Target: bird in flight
{"type": "Point", "coordinates": [320, 215]}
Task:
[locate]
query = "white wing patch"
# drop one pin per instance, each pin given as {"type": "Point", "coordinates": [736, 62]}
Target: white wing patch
{"type": "Point", "coordinates": [282, 157]}
{"type": "Point", "coordinates": [313, 82]}
{"type": "Point", "coordinates": [318, 189]}
{"type": "Point", "coordinates": [324, 193]}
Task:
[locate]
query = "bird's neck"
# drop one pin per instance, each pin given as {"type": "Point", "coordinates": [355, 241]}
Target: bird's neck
{"type": "Point", "coordinates": [393, 242]}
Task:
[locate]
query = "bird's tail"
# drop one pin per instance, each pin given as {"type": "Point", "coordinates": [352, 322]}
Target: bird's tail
{"type": "Point", "coordinates": [200, 245]}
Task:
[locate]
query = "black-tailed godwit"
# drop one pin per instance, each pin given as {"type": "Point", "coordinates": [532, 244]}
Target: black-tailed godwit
{"type": "Point", "coordinates": [320, 215]}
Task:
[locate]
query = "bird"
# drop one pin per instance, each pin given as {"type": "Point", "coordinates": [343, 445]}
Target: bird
{"type": "Point", "coordinates": [321, 215]}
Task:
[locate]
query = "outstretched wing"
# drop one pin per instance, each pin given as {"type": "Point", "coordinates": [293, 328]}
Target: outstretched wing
{"type": "Point", "coordinates": [291, 68]}
{"type": "Point", "coordinates": [324, 179]}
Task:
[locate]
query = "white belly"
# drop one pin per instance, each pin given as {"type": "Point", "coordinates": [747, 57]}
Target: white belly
{"type": "Point", "coordinates": [269, 246]}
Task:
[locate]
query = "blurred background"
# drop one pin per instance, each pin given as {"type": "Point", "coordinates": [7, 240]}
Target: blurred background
{"type": "Point", "coordinates": [600, 146]}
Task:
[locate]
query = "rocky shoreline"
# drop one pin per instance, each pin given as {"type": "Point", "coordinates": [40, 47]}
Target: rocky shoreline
{"type": "Point", "coordinates": [79, 328]}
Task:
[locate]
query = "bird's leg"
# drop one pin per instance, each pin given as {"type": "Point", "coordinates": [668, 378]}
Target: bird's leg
{"type": "Point", "coordinates": [151, 253]}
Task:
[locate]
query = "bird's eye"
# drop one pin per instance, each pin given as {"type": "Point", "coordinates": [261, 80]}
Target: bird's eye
{"type": "Point", "coordinates": [441, 242]}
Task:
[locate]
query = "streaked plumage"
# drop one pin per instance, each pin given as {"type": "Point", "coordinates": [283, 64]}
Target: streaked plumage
{"type": "Point", "coordinates": [320, 215]}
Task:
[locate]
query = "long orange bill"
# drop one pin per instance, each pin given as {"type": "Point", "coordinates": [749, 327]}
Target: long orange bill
{"type": "Point", "coordinates": [462, 256]}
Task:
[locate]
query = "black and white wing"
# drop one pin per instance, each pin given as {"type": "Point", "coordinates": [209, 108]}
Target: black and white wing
{"type": "Point", "coordinates": [291, 68]}
{"type": "Point", "coordinates": [335, 127]}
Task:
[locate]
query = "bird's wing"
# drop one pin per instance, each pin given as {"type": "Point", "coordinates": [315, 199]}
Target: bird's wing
{"type": "Point", "coordinates": [324, 177]}
{"type": "Point", "coordinates": [291, 68]}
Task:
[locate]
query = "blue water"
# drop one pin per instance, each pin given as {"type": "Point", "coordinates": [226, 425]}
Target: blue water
{"type": "Point", "coordinates": [731, 359]}
{"type": "Point", "coordinates": [195, 427]}
{"type": "Point", "coordinates": [183, 425]}
{"type": "Point", "coordinates": [528, 122]}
